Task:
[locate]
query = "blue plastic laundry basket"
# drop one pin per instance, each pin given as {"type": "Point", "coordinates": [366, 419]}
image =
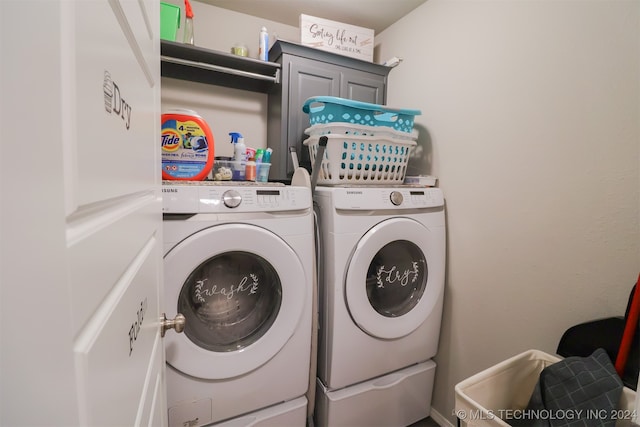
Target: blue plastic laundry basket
{"type": "Point", "coordinates": [328, 109]}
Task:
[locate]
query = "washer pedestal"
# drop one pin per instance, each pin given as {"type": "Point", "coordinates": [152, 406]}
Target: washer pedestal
{"type": "Point", "coordinates": [400, 398]}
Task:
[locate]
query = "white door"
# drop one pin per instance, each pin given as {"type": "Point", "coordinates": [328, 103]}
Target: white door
{"type": "Point", "coordinates": [81, 214]}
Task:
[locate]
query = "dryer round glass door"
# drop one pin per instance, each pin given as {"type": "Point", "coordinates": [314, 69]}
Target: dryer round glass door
{"type": "Point", "coordinates": [389, 288]}
{"type": "Point", "coordinates": [242, 290]}
{"type": "Point", "coordinates": [397, 278]}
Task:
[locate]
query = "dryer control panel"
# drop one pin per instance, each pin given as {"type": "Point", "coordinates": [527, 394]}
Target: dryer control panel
{"type": "Point", "coordinates": [192, 199]}
{"type": "Point", "coordinates": [377, 198]}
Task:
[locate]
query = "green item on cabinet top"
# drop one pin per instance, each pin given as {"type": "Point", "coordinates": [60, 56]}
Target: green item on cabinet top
{"type": "Point", "coordinates": [169, 21]}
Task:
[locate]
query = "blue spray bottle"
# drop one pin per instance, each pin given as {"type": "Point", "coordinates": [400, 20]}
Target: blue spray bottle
{"type": "Point", "coordinates": [239, 148]}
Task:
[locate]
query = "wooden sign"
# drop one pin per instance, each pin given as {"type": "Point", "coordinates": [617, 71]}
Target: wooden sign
{"type": "Point", "coordinates": [337, 37]}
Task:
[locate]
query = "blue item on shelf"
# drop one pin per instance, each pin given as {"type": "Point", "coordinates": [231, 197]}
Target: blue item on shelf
{"type": "Point", "coordinates": [327, 109]}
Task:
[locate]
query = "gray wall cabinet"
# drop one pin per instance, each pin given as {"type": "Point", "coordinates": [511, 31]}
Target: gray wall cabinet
{"type": "Point", "coordinates": [308, 72]}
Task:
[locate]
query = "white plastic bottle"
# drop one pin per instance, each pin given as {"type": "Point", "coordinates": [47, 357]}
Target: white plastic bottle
{"type": "Point", "coordinates": [188, 23]}
{"type": "Point", "coordinates": [263, 49]}
{"type": "Point", "coordinates": [240, 151]}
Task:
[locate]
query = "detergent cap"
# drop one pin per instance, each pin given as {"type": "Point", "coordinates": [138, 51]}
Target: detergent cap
{"type": "Point", "coordinates": [188, 10]}
{"type": "Point", "coordinates": [266, 157]}
{"type": "Point", "coordinates": [188, 23]}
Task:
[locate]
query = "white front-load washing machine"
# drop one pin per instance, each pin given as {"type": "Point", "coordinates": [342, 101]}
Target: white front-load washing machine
{"type": "Point", "coordinates": [382, 287]}
{"type": "Point", "coordinates": [238, 264]}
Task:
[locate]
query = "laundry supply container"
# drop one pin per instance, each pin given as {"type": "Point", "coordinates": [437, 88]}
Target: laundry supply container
{"type": "Point", "coordinates": [342, 128]}
{"type": "Point", "coordinates": [225, 169]}
{"type": "Point", "coordinates": [483, 399]}
{"type": "Point", "coordinates": [360, 159]}
{"type": "Point", "coordinates": [169, 21]}
{"type": "Point", "coordinates": [366, 143]}
{"type": "Point", "coordinates": [330, 109]}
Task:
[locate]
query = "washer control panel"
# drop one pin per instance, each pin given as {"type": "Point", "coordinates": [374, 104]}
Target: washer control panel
{"type": "Point", "coordinates": [376, 198]}
{"type": "Point", "coordinates": [192, 199]}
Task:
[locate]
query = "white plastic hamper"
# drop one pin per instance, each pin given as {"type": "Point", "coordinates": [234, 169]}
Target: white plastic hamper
{"type": "Point", "coordinates": [483, 397]}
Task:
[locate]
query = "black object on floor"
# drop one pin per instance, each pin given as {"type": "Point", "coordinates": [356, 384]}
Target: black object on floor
{"type": "Point", "coordinates": [583, 339]}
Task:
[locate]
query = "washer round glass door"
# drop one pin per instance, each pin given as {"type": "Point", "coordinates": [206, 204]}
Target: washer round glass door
{"type": "Point", "coordinates": [242, 291]}
{"type": "Point", "coordinates": [388, 289]}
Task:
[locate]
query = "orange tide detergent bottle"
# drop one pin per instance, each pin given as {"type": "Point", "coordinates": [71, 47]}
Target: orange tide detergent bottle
{"type": "Point", "coordinates": [187, 146]}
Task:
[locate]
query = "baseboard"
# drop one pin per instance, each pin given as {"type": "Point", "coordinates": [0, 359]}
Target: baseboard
{"type": "Point", "coordinates": [438, 418]}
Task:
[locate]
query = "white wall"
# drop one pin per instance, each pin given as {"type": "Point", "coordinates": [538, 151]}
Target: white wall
{"type": "Point", "coordinates": [531, 115]}
{"type": "Point", "coordinates": [225, 110]}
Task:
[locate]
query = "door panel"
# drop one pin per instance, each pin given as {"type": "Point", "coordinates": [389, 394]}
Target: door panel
{"type": "Point", "coordinates": [114, 102]}
{"type": "Point", "coordinates": [129, 224]}
{"type": "Point", "coordinates": [118, 344]}
{"type": "Point", "coordinates": [152, 411]}
{"type": "Point", "coordinates": [307, 78]}
{"type": "Point", "coordinates": [361, 86]}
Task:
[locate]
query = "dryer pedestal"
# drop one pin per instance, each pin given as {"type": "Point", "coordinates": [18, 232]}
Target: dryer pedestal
{"type": "Point", "coordinates": [400, 398]}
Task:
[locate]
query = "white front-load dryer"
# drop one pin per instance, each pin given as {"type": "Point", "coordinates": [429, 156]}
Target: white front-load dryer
{"type": "Point", "coordinates": [238, 264]}
{"type": "Point", "coordinates": [382, 286]}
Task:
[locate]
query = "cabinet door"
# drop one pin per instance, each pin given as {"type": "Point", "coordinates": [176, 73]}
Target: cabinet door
{"type": "Point", "coordinates": [362, 86]}
{"type": "Point", "coordinates": [307, 78]}
{"type": "Point", "coordinates": [302, 78]}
